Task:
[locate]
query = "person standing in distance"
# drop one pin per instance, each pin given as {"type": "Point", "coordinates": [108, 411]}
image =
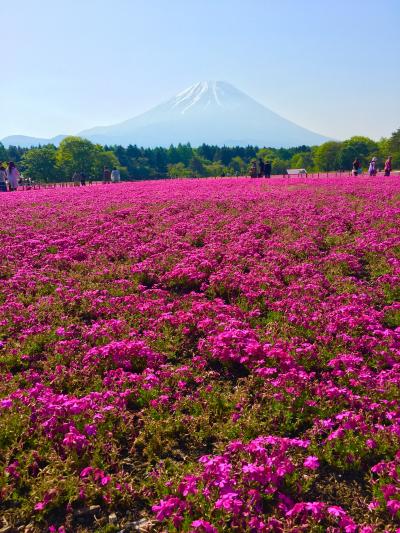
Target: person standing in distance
{"type": "Point", "coordinates": [372, 167]}
{"type": "Point", "coordinates": [261, 166]}
{"type": "Point", "coordinates": [106, 175]}
{"type": "Point", "coordinates": [115, 176]}
{"type": "Point", "coordinates": [356, 167]}
{"type": "Point", "coordinates": [3, 179]}
{"type": "Point", "coordinates": [253, 170]}
{"type": "Point", "coordinates": [388, 166]}
{"type": "Point", "coordinates": [267, 169]}
{"type": "Point", "coordinates": [12, 176]}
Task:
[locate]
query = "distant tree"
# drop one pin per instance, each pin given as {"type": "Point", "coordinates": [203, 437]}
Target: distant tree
{"type": "Point", "coordinates": [122, 155]}
{"type": "Point", "coordinates": [361, 147]}
{"type": "Point", "coordinates": [173, 155]}
{"type": "Point", "coordinates": [101, 159]}
{"type": "Point", "coordinates": [284, 153]}
{"type": "Point", "coordinates": [250, 152]}
{"type": "Point", "coordinates": [327, 156]}
{"type": "Point", "coordinates": [178, 170]}
{"type": "Point", "coordinates": [185, 153]}
{"type": "Point", "coordinates": [140, 169]}
{"type": "Point", "coordinates": [217, 154]}
{"type": "Point", "coordinates": [238, 165]}
{"type": "Point", "coordinates": [77, 154]}
{"type": "Point", "coordinates": [384, 148]}
{"type": "Point", "coordinates": [74, 155]}
{"type": "Point", "coordinates": [196, 164]}
{"type": "Point", "coordinates": [394, 147]}
{"type": "Point", "coordinates": [216, 169]}
{"type": "Point", "coordinates": [133, 151]}
{"type": "Point", "coordinates": [3, 153]}
{"type": "Point", "coordinates": [15, 153]}
{"type": "Point", "coordinates": [225, 155]}
{"type": "Point", "coordinates": [206, 151]}
{"type": "Point", "coordinates": [267, 153]}
{"type": "Point", "coordinates": [302, 160]}
{"type": "Point", "coordinates": [39, 164]}
{"type": "Point", "coordinates": [279, 166]}
{"type": "Point", "coordinates": [160, 162]}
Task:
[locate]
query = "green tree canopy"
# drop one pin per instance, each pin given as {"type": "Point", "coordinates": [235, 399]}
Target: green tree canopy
{"type": "Point", "coordinates": [178, 170]}
{"type": "Point", "coordinates": [3, 153]}
{"type": "Point", "coordinates": [197, 165]}
{"type": "Point", "coordinates": [394, 147]}
{"type": "Point", "coordinates": [75, 155]}
{"type": "Point", "coordinates": [101, 159]}
{"type": "Point", "coordinates": [302, 160]}
{"type": "Point", "coordinates": [238, 165]}
{"type": "Point", "coordinates": [279, 166]}
{"type": "Point", "coordinates": [327, 156]}
{"type": "Point", "coordinates": [39, 164]}
{"type": "Point", "coordinates": [267, 154]}
{"type": "Point", "coordinates": [361, 147]}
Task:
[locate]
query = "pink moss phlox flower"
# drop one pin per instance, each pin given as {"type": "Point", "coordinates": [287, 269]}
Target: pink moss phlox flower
{"type": "Point", "coordinates": [167, 507]}
{"type": "Point", "coordinates": [203, 526]}
{"type": "Point", "coordinates": [393, 506]}
{"type": "Point", "coordinates": [229, 502]}
{"type": "Point", "coordinates": [311, 462]}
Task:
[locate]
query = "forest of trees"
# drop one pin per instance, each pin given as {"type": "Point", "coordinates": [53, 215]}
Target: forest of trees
{"type": "Point", "coordinates": [50, 163]}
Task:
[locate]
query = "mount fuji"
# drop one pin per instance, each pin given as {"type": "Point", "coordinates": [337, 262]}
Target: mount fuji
{"type": "Point", "coordinates": [212, 112]}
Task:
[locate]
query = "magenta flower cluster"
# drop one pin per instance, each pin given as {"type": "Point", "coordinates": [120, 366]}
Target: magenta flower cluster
{"type": "Point", "coordinates": [214, 355]}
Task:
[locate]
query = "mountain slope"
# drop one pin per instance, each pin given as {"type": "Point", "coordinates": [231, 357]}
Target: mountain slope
{"type": "Point", "coordinates": [207, 112]}
{"type": "Point", "coordinates": [210, 112]}
{"type": "Point", "coordinates": [27, 142]}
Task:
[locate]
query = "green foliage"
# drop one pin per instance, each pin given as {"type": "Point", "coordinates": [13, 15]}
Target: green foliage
{"type": "Point", "coordinates": [197, 165]}
{"type": "Point", "coordinates": [238, 165]}
{"type": "Point", "coordinates": [39, 164]}
{"type": "Point", "coordinates": [3, 153]}
{"type": "Point", "coordinates": [327, 156]}
{"type": "Point", "coordinates": [394, 147]}
{"type": "Point", "coordinates": [361, 147]}
{"type": "Point", "coordinates": [279, 166]}
{"type": "Point", "coordinates": [384, 148]}
{"type": "Point", "coordinates": [80, 155]}
{"type": "Point", "coordinates": [75, 155]}
{"type": "Point", "coordinates": [178, 170]}
{"type": "Point", "coordinates": [103, 159]}
{"type": "Point", "coordinates": [48, 163]}
{"type": "Point", "coordinates": [302, 160]}
{"type": "Point", "coordinates": [216, 169]}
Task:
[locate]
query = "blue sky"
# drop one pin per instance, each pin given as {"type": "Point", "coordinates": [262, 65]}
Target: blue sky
{"type": "Point", "coordinates": [332, 66]}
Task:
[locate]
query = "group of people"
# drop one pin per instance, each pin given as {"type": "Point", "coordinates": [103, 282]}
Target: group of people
{"type": "Point", "coordinates": [260, 169]}
{"type": "Point", "coordinates": [9, 177]}
{"type": "Point", "coordinates": [373, 167]}
{"type": "Point", "coordinates": [109, 176]}
{"type": "Point", "coordinates": [80, 178]}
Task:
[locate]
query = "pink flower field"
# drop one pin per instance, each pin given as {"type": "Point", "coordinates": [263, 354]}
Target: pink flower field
{"type": "Point", "coordinates": [204, 356]}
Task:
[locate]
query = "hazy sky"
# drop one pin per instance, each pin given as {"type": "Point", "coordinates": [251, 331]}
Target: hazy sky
{"type": "Point", "coordinates": [332, 66]}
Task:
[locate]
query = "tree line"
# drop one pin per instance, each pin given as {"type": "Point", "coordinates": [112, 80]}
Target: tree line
{"type": "Point", "coordinates": [50, 163]}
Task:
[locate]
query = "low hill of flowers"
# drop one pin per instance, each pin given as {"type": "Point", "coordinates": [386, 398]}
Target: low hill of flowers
{"type": "Point", "coordinates": [201, 356]}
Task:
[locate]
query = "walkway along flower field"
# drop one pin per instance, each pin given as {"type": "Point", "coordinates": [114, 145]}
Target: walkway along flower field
{"type": "Point", "coordinates": [201, 356]}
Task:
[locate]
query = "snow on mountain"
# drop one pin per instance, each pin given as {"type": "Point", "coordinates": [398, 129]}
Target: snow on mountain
{"type": "Point", "coordinates": [212, 112]}
{"type": "Point", "coordinates": [203, 95]}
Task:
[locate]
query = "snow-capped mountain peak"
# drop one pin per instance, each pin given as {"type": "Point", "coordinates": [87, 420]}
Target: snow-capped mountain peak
{"type": "Point", "coordinates": [212, 112]}
{"type": "Point", "coordinates": [204, 95]}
